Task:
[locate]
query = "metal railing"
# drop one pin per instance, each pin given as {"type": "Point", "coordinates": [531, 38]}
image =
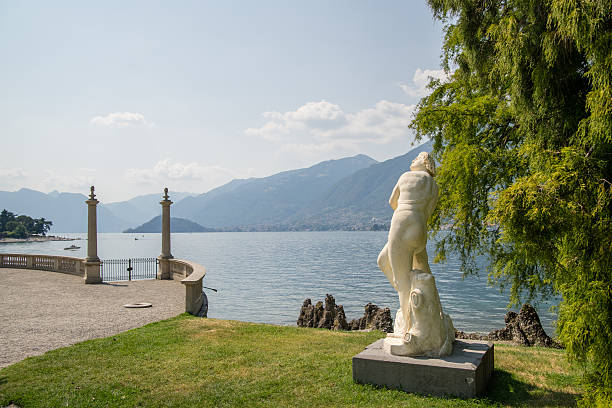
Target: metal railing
{"type": "Point", "coordinates": [112, 270]}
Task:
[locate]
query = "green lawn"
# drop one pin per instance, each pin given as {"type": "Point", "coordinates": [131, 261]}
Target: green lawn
{"type": "Point", "coordinates": [193, 362]}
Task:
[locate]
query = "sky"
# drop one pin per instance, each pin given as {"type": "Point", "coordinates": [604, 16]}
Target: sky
{"type": "Point", "coordinates": [134, 96]}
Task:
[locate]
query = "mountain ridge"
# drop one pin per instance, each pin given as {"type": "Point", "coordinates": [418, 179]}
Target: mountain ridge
{"type": "Point", "coordinates": [347, 193]}
{"type": "Point", "coordinates": [267, 200]}
{"type": "Point", "coordinates": [67, 211]}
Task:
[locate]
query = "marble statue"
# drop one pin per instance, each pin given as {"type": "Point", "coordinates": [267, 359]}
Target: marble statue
{"type": "Point", "coordinates": [421, 327]}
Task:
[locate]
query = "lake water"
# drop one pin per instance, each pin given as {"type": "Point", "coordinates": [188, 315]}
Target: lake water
{"type": "Point", "coordinates": [265, 276]}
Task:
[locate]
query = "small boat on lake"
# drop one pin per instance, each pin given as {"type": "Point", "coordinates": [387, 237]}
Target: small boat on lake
{"type": "Point", "coordinates": [72, 247]}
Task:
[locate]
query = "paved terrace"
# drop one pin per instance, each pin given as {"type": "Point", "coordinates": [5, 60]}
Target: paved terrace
{"type": "Point", "coordinates": [42, 311]}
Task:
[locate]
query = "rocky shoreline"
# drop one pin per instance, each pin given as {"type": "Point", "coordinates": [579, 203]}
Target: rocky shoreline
{"type": "Point", "coordinates": [523, 328]}
{"type": "Point", "coordinates": [332, 317]}
{"type": "Point", "coordinates": [36, 239]}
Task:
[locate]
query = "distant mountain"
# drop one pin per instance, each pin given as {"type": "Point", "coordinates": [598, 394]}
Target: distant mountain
{"type": "Point", "coordinates": [67, 211]}
{"type": "Point", "coordinates": [269, 200]}
{"type": "Point", "coordinates": [361, 198]}
{"type": "Point", "coordinates": [348, 193]}
{"type": "Point", "coordinates": [176, 225]}
{"type": "Point", "coordinates": [140, 209]}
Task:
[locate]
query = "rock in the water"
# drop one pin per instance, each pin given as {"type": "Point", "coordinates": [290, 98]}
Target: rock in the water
{"type": "Point", "coordinates": [331, 316]}
{"type": "Point", "coordinates": [510, 316]}
{"type": "Point", "coordinates": [524, 329]}
{"type": "Point", "coordinates": [529, 323]}
{"type": "Point", "coordinates": [340, 320]}
{"type": "Point", "coordinates": [470, 336]}
{"type": "Point", "coordinates": [318, 314]}
{"type": "Point", "coordinates": [374, 318]}
{"type": "Point", "coordinates": [306, 318]}
{"type": "Point", "coordinates": [518, 336]}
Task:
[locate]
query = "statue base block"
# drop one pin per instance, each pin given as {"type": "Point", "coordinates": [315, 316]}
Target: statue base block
{"type": "Point", "coordinates": [465, 373]}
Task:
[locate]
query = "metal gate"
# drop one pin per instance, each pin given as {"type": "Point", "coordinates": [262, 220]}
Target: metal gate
{"type": "Point", "coordinates": [113, 270]}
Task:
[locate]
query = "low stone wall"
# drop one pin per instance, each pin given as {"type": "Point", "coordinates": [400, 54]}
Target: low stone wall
{"type": "Point", "coordinates": [180, 269]}
{"type": "Point", "coordinates": [52, 263]}
{"type": "Point", "coordinates": [191, 275]}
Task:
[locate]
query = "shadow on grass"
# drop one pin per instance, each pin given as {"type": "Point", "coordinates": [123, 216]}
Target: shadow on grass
{"type": "Point", "coordinates": [507, 390]}
{"type": "Point", "coordinates": [3, 380]}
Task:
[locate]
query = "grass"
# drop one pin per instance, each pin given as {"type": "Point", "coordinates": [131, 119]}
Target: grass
{"type": "Point", "coordinates": [192, 362]}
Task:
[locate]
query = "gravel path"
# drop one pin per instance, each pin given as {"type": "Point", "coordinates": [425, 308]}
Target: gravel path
{"type": "Point", "coordinates": [42, 311]}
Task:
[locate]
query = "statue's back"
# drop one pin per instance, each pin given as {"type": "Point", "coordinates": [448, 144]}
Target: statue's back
{"type": "Point", "coordinates": [414, 186]}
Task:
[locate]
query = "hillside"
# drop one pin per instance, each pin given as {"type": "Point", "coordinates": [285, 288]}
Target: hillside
{"type": "Point", "coordinates": [142, 208]}
{"type": "Point", "coordinates": [361, 198]}
{"type": "Point", "coordinates": [298, 200]}
{"type": "Point", "coordinates": [269, 200]}
{"type": "Point", "coordinates": [68, 211]}
{"type": "Point", "coordinates": [348, 193]}
{"type": "Point", "coordinates": [176, 225]}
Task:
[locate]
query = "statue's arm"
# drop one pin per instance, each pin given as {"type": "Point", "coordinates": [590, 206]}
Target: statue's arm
{"type": "Point", "coordinates": [394, 197]}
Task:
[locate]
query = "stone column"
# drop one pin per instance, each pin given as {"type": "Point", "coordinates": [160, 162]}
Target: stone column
{"type": "Point", "coordinates": [92, 262]}
{"type": "Point", "coordinates": [164, 264]}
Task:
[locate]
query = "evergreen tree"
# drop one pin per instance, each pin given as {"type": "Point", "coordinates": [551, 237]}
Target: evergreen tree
{"type": "Point", "coordinates": [523, 131]}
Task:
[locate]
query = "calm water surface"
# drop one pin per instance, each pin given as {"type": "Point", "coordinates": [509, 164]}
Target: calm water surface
{"type": "Point", "coordinates": [265, 276]}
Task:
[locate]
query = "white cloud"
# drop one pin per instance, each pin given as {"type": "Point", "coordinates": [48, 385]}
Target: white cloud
{"type": "Point", "coordinates": [13, 174]}
{"type": "Point", "coordinates": [81, 180]}
{"type": "Point", "coordinates": [322, 130]}
{"type": "Point", "coordinates": [314, 116]}
{"type": "Point", "coordinates": [420, 80]}
{"type": "Point", "coordinates": [385, 122]}
{"type": "Point", "coordinates": [78, 179]}
{"type": "Point", "coordinates": [320, 123]}
{"type": "Point", "coordinates": [311, 149]}
{"type": "Point", "coordinates": [120, 119]}
{"type": "Point", "coordinates": [320, 115]}
{"type": "Point", "coordinates": [194, 176]}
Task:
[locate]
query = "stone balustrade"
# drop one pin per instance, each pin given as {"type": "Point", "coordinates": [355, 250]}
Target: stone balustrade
{"type": "Point", "coordinates": [62, 264]}
{"type": "Point", "coordinates": [191, 275]}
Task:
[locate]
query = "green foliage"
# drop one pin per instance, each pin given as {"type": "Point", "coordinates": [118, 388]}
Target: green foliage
{"type": "Point", "coordinates": [22, 226]}
{"type": "Point", "coordinates": [523, 132]}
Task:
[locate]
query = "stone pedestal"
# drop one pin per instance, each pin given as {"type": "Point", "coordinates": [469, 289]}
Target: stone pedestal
{"type": "Point", "coordinates": [164, 272]}
{"type": "Point", "coordinates": [92, 272]}
{"type": "Point", "coordinates": [465, 373]}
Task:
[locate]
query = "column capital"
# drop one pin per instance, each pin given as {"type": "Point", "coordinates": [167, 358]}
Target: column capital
{"type": "Point", "coordinates": [166, 198]}
{"type": "Point", "coordinates": [92, 231]}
